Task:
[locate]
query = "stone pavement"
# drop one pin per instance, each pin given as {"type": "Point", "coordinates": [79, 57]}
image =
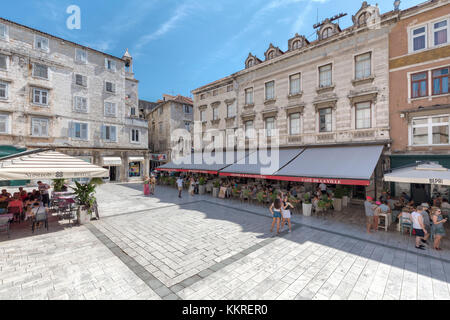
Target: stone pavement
{"type": "Point", "coordinates": [198, 247]}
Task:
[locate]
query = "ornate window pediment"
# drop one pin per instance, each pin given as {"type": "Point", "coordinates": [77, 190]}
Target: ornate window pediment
{"type": "Point", "coordinates": [366, 15]}
{"type": "Point", "coordinates": [251, 61]}
{"type": "Point", "coordinates": [328, 29]}
{"type": "Point", "coordinates": [297, 42]}
{"type": "Point", "coordinates": [272, 52]}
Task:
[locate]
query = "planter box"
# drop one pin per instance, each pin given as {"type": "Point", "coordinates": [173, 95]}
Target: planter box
{"type": "Point", "coordinates": [201, 189]}
{"type": "Point", "coordinates": [83, 217]}
{"type": "Point", "coordinates": [215, 192]}
{"type": "Point", "coordinates": [306, 209]}
{"type": "Point", "coordinates": [337, 204]}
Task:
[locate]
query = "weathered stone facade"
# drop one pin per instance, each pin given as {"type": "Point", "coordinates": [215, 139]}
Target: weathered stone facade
{"type": "Point", "coordinates": [173, 112]}
{"type": "Point", "coordinates": [75, 102]}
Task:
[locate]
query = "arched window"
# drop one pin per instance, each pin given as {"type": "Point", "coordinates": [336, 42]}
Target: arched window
{"type": "Point", "coordinates": [250, 63]}
{"type": "Point", "coordinates": [327, 32]}
{"type": "Point", "coordinates": [270, 55]}
{"type": "Point", "coordinates": [296, 44]}
{"type": "Point", "coordinates": [363, 17]}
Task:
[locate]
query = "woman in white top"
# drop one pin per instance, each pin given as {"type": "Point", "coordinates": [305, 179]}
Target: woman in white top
{"type": "Point", "coordinates": [286, 212]}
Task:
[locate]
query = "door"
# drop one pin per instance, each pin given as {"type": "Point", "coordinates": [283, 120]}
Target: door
{"type": "Point", "coordinates": [420, 193]}
{"type": "Point", "coordinates": [112, 174]}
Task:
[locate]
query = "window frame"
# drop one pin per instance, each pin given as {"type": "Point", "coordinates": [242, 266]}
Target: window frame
{"type": "Point", "coordinates": [440, 81]}
{"type": "Point", "coordinates": [246, 128]}
{"type": "Point", "coordinates": [370, 65]}
{"type": "Point", "coordinates": [38, 76]}
{"type": "Point", "coordinates": [430, 126]}
{"type": "Point", "coordinates": [135, 133]}
{"type": "Point", "coordinates": [6, 84]}
{"type": "Point", "coordinates": [331, 75]}
{"type": "Point", "coordinates": [37, 38]}
{"type": "Point", "coordinates": [331, 119]}
{"type": "Point", "coordinates": [329, 31]}
{"type": "Point", "coordinates": [75, 109]}
{"type": "Point", "coordinates": [73, 130]}
{"type": "Point", "coordinates": [40, 96]}
{"type": "Point", "coordinates": [233, 114]}
{"type": "Point", "coordinates": [247, 92]}
{"type": "Point", "coordinates": [40, 120]}
{"type": "Point", "coordinates": [113, 63]}
{"type": "Point", "coordinates": [433, 31]}
{"type": "Point", "coordinates": [104, 138]}
{"type": "Point", "coordinates": [5, 37]}
{"type": "Point", "coordinates": [6, 62]}
{"type": "Point", "coordinates": [85, 61]}
{"type": "Point", "coordinates": [7, 118]}
{"type": "Point", "coordinates": [109, 114]}
{"type": "Point", "coordinates": [412, 82]}
{"type": "Point", "coordinates": [203, 115]}
{"type": "Point", "coordinates": [370, 114]}
{"type": "Point", "coordinates": [113, 87]}
{"type": "Point", "coordinates": [83, 84]}
{"type": "Point", "coordinates": [266, 98]}
{"type": "Point", "coordinates": [299, 123]}
{"type": "Point", "coordinates": [215, 112]}
{"type": "Point", "coordinates": [299, 74]}
{"type": "Point", "coordinates": [412, 37]}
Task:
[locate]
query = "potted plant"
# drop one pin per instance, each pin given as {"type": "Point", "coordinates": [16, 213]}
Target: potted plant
{"type": "Point", "coordinates": [97, 181]}
{"type": "Point", "coordinates": [58, 185]}
{"type": "Point", "coordinates": [307, 205]}
{"type": "Point", "coordinates": [216, 188]}
{"type": "Point", "coordinates": [337, 199]}
{"type": "Point", "coordinates": [260, 197]}
{"type": "Point", "coordinates": [172, 181]}
{"type": "Point", "coordinates": [84, 196]}
{"type": "Point", "coordinates": [201, 185]}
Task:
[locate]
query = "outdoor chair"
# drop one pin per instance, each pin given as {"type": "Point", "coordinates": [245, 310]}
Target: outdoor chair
{"type": "Point", "coordinates": [16, 212]}
{"type": "Point", "coordinates": [385, 224]}
{"type": "Point", "coordinates": [405, 224]}
{"type": "Point", "coordinates": [41, 217]}
{"type": "Point", "coordinates": [4, 225]}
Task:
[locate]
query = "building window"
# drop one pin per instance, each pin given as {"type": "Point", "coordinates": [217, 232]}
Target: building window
{"type": "Point", "coordinates": [325, 76]}
{"type": "Point", "coordinates": [41, 43]}
{"type": "Point", "coordinates": [202, 96]}
{"type": "Point", "coordinates": [294, 124]}
{"type": "Point", "coordinates": [110, 109]}
{"type": "Point", "coordinates": [215, 92]}
{"type": "Point", "coordinates": [215, 113]}
{"type": "Point", "coordinates": [80, 55]}
{"type": "Point", "coordinates": [270, 55]}
{"type": "Point", "coordinates": [109, 133]}
{"type": "Point", "coordinates": [419, 38]}
{"type": "Point", "coordinates": [363, 115]}
{"type": "Point", "coordinates": [40, 96]}
{"type": "Point", "coordinates": [325, 120]}
{"type": "Point", "coordinates": [39, 127]}
{"type": "Point", "coordinates": [363, 68]}
{"type": "Point", "coordinates": [440, 32]}
{"type": "Point", "coordinates": [187, 126]}
{"type": "Point", "coordinates": [248, 96]}
{"type": "Point", "coordinates": [187, 109]}
{"type": "Point", "coordinates": [3, 62]}
{"type": "Point", "coordinates": [296, 44]}
{"type": "Point", "coordinates": [294, 84]}
{"type": "Point", "coordinates": [249, 132]}
{"type": "Point", "coordinates": [81, 80]}
{"type": "Point", "coordinates": [440, 81]}
{"type": "Point", "coordinates": [270, 90]}
{"type": "Point", "coordinates": [326, 33]}
{"type": "Point", "coordinates": [431, 130]}
{"type": "Point", "coordinates": [135, 135]}
{"type": "Point", "coordinates": [110, 64]}
{"type": "Point", "coordinates": [3, 31]}
{"type": "Point", "coordinates": [3, 90]}
{"type": "Point", "coordinates": [80, 105]}
{"type": "Point", "coordinates": [132, 111]}
{"type": "Point", "coordinates": [79, 130]}
{"type": "Point", "coordinates": [231, 110]}
{"type": "Point", "coordinates": [250, 63]}
{"type": "Point", "coordinates": [40, 71]}
{"type": "Point", "coordinates": [230, 88]}
{"type": "Point", "coordinates": [161, 111]}
{"type": "Point", "coordinates": [203, 116]}
{"type": "Point", "coordinates": [419, 85]}
{"type": "Point", "coordinates": [4, 123]}
{"type": "Point", "coordinates": [110, 87]}
{"type": "Point", "coordinates": [161, 128]}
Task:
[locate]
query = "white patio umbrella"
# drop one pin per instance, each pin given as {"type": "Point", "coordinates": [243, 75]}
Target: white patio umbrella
{"type": "Point", "coordinates": [428, 173]}
{"type": "Point", "coordinates": [47, 165]}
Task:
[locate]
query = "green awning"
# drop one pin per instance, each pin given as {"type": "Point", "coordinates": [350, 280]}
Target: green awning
{"type": "Point", "coordinates": [9, 150]}
{"type": "Point", "coordinates": [398, 161]}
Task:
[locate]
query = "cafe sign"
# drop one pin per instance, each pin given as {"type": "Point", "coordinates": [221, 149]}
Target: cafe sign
{"type": "Point", "coordinates": [158, 157]}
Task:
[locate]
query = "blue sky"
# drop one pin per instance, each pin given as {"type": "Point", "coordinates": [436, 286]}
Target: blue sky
{"type": "Point", "coordinates": [180, 45]}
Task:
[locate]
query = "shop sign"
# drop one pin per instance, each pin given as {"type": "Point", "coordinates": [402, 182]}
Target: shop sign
{"type": "Point", "coordinates": [158, 157]}
{"type": "Point", "coordinates": [436, 181]}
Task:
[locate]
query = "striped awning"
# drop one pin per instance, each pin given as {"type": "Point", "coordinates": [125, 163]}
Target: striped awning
{"type": "Point", "coordinates": [47, 165]}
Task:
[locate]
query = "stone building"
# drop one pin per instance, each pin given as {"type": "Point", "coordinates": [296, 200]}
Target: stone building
{"type": "Point", "coordinates": [330, 92]}
{"type": "Point", "coordinates": [170, 113]}
{"type": "Point", "coordinates": [419, 62]}
{"type": "Point", "coordinates": [58, 94]}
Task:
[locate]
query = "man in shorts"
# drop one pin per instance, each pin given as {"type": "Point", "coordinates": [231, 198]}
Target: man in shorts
{"type": "Point", "coordinates": [370, 212]}
{"type": "Point", "coordinates": [180, 186]}
{"type": "Point", "coordinates": [419, 227]}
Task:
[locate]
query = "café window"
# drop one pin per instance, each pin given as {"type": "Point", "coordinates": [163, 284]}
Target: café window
{"type": "Point", "coordinates": [430, 131]}
{"type": "Point", "coordinates": [419, 85]}
{"type": "Point", "coordinates": [440, 81]}
{"type": "Point", "coordinates": [325, 120]}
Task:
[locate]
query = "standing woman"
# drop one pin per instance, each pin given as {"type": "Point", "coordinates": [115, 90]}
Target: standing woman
{"type": "Point", "coordinates": [438, 227]}
{"type": "Point", "coordinates": [192, 186]}
{"type": "Point", "coordinates": [275, 210]}
{"type": "Point", "coordinates": [286, 213]}
{"type": "Point", "coordinates": [146, 186]}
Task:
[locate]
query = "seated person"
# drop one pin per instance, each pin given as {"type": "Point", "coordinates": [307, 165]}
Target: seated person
{"type": "Point", "coordinates": [23, 195]}
{"type": "Point", "coordinates": [16, 203]}
{"type": "Point", "coordinates": [405, 214]}
{"type": "Point", "coordinates": [4, 196]}
{"type": "Point", "coordinates": [445, 207]}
